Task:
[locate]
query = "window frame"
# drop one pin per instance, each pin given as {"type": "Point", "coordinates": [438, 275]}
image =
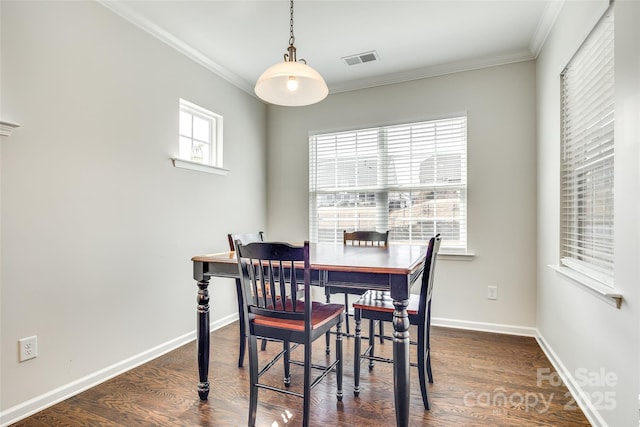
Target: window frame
{"type": "Point", "coordinates": [213, 161]}
{"type": "Point", "coordinates": [587, 162]}
{"type": "Point", "coordinates": [587, 157]}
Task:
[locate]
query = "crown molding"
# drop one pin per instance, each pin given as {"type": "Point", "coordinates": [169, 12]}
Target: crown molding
{"type": "Point", "coordinates": [121, 9]}
{"type": "Point", "coordinates": [545, 25]}
{"type": "Point", "coordinates": [438, 70]}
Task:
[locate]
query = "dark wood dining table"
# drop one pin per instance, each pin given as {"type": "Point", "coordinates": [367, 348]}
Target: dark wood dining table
{"type": "Point", "coordinates": [394, 268]}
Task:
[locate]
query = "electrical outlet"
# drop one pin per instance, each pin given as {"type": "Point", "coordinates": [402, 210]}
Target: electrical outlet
{"type": "Point", "coordinates": [492, 292]}
{"type": "Point", "coordinates": [28, 348]}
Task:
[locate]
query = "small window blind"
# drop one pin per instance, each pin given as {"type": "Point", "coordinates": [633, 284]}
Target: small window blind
{"type": "Point", "coordinates": [410, 179]}
{"type": "Point", "coordinates": [588, 156]}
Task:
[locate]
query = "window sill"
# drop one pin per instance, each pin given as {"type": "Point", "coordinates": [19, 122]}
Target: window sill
{"type": "Point", "coordinates": [610, 295]}
{"type": "Point", "coordinates": [456, 256]}
{"type": "Point", "coordinates": [195, 166]}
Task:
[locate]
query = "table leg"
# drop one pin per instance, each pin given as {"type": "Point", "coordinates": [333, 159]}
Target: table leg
{"type": "Point", "coordinates": [401, 362]}
{"type": "Point", "coordinates": [203, 338]}
{"type": "Point", "coordinates": [356, 355]}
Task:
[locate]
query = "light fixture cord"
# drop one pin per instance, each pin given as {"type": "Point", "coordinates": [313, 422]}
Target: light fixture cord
{"type": "Point", "coordinates": [292, 39]}
{"type": "Point", "coordinates": [291, 55]}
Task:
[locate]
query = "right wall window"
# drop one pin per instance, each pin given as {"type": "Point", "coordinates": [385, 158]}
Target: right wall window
{"type": "Point", "coordinates": [588, 156]}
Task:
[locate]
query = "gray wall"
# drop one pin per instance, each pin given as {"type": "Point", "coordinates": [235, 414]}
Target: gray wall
{"type": "Point", "coordinates": [500, 103]}
{"type": "Point", "coordinates": [98, 227]}
{"type": "Point", "coordinates": [582, 331]}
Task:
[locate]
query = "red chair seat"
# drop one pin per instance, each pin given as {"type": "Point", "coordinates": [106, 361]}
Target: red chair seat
{"type": "Point", "coordinates": [321, 314]}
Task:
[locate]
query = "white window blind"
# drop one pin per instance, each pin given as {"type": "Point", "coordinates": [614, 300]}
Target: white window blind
{"type": "Point", "coordinates": [410, 179]}
{"type": "Point", "coordinates": [588, 156]}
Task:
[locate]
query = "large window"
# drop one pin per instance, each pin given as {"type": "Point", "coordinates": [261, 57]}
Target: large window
{"type": "Point", "coordinates": [588, 156]}
{"type": "Point", "coordinates": [410, 179]}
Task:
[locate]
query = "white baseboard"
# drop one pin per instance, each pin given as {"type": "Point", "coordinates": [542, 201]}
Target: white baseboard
{"type": "Point", "coordinates": [592, 414]}
{"type": "Point", "coordinates": [485, 327]}
{"type": "Point", "coordinates": [30, 407]}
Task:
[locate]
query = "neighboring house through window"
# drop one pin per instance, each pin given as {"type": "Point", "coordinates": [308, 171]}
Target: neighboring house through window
{"type": "Point", "coordinates": [410, 179]}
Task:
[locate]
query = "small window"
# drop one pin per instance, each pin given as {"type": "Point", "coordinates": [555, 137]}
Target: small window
{"type": "Point", "coordinates": [200, 135]}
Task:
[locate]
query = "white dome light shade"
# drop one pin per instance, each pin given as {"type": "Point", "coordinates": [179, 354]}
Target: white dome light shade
{"type": "Point", "coordinates": [277, 85]}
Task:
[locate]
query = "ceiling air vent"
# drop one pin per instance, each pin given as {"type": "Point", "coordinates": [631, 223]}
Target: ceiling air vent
{"type": "Point", "coordinates": [361, 58]}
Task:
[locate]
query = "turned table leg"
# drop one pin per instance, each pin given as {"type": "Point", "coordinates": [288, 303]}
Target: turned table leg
{"type": "Point", "coordinates": [203, 338]}
{"type": "Point", "coordinates": [401, 361]}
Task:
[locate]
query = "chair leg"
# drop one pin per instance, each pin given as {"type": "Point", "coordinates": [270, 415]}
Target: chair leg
{"type": "Point", "coordinates": [243, 331]}
{"type": "Point", "coordinates": [253, 380]}
{"type": "Point", "coordinates": [356, 353]}
{"type": "Point", "coordinates": [327, 336]}
{"type": "Point", "coordinates": [287, 363]}
{"type": "Point", "coordinates": [372, 341]}
{"type": "Point", "coordinates": [381, 331]}
{"type": "Point", "coordinates": [428, 343]}
{"type": "Point", "coordinates": [422, 366]}
{"type": "Point", "coordinates": [339, 366]}
{"type": "Point", "coordinates": [306, 406]}
{"type": "Point", "coordinates": [346, 312]}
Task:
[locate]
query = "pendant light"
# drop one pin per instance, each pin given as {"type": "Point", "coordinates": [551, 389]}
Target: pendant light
{"type": "Point", "coordinates": [291, 83]}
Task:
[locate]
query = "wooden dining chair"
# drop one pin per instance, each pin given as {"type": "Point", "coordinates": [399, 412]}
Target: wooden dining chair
{"type": "Point", "coordinates": [419, 309]}
{"type": "Point", "coordinates": [270, 273]}
{"type": "Point", "coordinates": [243, 238]}
{"type": "Point", "coordinates": [356, 238]}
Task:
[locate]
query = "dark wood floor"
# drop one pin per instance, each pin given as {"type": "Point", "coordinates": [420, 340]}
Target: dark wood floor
{"type": "Point", "coordinates": [481, 379]}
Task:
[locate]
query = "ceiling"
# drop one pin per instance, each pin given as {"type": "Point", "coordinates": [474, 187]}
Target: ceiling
{"type": "Point", "coordinates": [239, 39]}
